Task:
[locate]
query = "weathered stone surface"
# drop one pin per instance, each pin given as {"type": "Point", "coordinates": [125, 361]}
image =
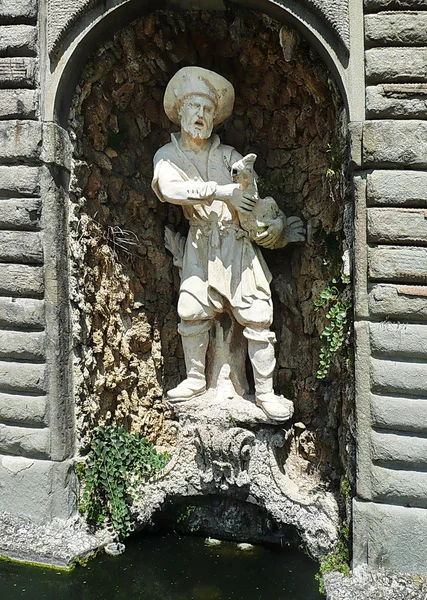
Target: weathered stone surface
{"type": "Point", "coordinates": [389, 377]}
{"type": "Point", "coordinates": [20, 213]}
{"type": "Point", "coordinates": [22, 345]}
{"type": "Point", "coordinates": [397, 225]}
{"type": "Point", "coordinates": [395, 4]}
{"type": "Point", "coordinates": [402, 302]}
{"type": "Point", "coordinates": [21, 312]}
{"type": "Point", "coordinates": [390, 537]}
{"type": "Point", "coordinates": [402, 188]}
{"type": "Point", "coordinates": [396, 64]}
{"type": "Point", "coordinates": [21, 280]}
{"type": "Point", "coordinates": [400, 450]}
{"type": "Point", "coordinates": [18, 72]}
{"type": "Point", "coordinates": [22, 11]}
{"type": "Point", "coordinates": [18, 40]}
{"type": "Point", "coordinates": [397, 263]}
{"type": "Point", "coordinates": [399, 413]}
{"type": "Point", "coordinates": [27, 486]}
{"type": "Point", "coordinates": [19, 409]}
{"type": "Point", "coordinates": [20, 140]}
{"type": "Point", "coordinates": [57, 147]}
{"type": "Point", "coordinates": [22, 377]}
{"type": "Point", "coordinates": [24, 441]}
{"type": "Point", "coordinates": [391, 339]}
{"type": "Point", "coordinates": [409, 147]}
{"type": "Point", "coordinates": [396, 29]}
{"type": "Point", "coordinates": [19, 104]}
{"type": "Point", "coordinates": [399, 486]}
{"type": "Point", "coordinates": [401, 100]}
{"type": "Point", "coordinates": [21, 247]}
{"type": "Point", "coordinates": [19, 181]}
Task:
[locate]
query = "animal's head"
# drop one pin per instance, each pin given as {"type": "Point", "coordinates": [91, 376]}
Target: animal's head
{"type": "Point", "coordinates": [242, 171]}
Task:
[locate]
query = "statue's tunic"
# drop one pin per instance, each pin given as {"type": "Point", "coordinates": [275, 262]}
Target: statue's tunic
{"type": "Point", "coordinates": [219, 258]}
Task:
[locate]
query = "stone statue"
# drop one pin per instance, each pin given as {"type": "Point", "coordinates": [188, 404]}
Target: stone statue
{"type": "Point", "coordinates": [222, 265]}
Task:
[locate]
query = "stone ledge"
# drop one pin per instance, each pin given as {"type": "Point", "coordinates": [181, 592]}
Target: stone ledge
{"type": "Point", "coordinates": [22, 214]}
{"type": "Point", "coordinates": [395, 377]}
{"type": "Point", "coordinates": [399, 413]}
{"type": "Point", "coordinates": [397, 226]}
{"type": "Point", "coordinates": [22, 345]}
{"type": "Point", "coordinates": [396, 29]}
{"type": "Point", "coordinates": [400, 100]}
{"type": "Point", "coordinates": [18, 40]}
{"type": "Point", "coordinates": [24, 247]}
{"type": "Point", "coordinates": [395, 339]}
{"type": "Point", "coordinates": [23, 377]}
{"type": "Point", "coordinates": [23, 410]}
{"type": "Point", "coordinates": [399, 486]}
{"type": "Point", "coordinates": [409, 147]}
{"type": "Point", "coordinates": [22, 312]}
{"type": "Point", "coordinates": [401, 450]}
{"type": "Point", "coordinates": [24, 441]}
{"type": "Point", "coordinates": [398, 263]}
{"type": "Point", "coordinates": [390, 537]}
{"type": "Point", "coordinates": [396, 65]}
{"type": "Point", "coordinates": [404, 188]}
{"type": "Point", "coordinates": [21, 280]}
{"type": "Point", "coordinates": [400, 302]}
{"type": "Point", "coordinates": [18, 11]}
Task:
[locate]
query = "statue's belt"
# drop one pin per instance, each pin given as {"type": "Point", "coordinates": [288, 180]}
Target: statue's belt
{"type": "Point", "coordinates": [214, 229]}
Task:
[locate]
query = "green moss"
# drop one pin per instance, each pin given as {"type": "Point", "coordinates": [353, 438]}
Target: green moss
{"type": "Point", "coordinates": [30, 563]}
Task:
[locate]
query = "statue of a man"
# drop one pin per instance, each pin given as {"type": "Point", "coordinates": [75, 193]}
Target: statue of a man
{"type": "Point", "coordinates": [222, 265]}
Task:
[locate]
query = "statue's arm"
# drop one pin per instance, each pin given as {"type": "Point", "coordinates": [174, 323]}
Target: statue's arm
{"type": "Point", "coordinates": [172, 185]}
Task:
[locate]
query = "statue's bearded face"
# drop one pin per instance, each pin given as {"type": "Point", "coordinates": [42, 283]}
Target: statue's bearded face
{"type": "Point", "coordinates": [197, 115]}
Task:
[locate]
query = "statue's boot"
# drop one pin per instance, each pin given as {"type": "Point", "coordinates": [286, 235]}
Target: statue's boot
{"type": "Point", "coordinates": [195, 347]}
{"type": "Point", "coordinates": [261, 353]}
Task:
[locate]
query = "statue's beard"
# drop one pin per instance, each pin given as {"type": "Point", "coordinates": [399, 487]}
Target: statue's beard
{"type": "Point", "coordinates": [196, 132]}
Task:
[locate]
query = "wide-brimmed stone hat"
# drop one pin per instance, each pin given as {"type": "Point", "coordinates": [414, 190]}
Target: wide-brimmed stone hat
{"type": "Point", "coordinates": [190, 81]}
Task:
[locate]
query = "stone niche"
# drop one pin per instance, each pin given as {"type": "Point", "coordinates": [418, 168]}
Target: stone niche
{"type": "Point", "coordinates": [124, 287]}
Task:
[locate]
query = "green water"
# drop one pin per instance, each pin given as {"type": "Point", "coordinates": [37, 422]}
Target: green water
{"type": "Point", "coordinates": [171, 568]}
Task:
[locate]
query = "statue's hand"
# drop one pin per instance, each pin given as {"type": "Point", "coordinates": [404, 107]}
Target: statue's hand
{"type": "Point", "coordinates": [294, 230]}
{"type": "Point", "coordinates": [242, 201]}
{"type": "Point", "coordinates": [269, 237]}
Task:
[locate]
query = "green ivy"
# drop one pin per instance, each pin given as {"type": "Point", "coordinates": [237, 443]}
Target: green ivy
{"type": "Point", "coordinates": [117, 463]}
{"type": "Point", "coordinates": [338, 560]}
{"type": "Point", "coordinates": [336, 300]}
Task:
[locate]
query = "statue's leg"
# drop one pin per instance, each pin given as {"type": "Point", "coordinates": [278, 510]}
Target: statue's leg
{"type": "Point", "coordinates": [257, 320]}
{"type": "Point", "coordinates": [194, 329]}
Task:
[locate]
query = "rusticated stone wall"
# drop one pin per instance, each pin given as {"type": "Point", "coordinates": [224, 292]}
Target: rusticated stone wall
{"type": "Point", "coordinates": [124, 286]}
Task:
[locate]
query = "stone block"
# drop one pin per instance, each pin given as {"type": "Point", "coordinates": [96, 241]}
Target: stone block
{"type": "Point", "coordinates": [399, 486]}
{"type": "Point", "coordinates": [396, 64]}
{"type": "Point", "coordinates": [19, 104]}
{"type": "Point", "coordinates": [396, 339]}
{"type": "Point", "coordinates": [27, 378]}
{"type": "Point", "coordinates": [400, 100]}
{"type": "Point", "coordinates": [22, 345]}
{"type": "Point", "coordinates": [18, 72]}
{"type": "Point", "coordinates": [397, 225]}
{"type": "Point", "coordinates": [399, 302]}
{"type": "Point", "coordinates": [20, 213]}
{"type": "Point", "coordinates": [22, 312]}
{"type": "Point", "coordinates": [409, 147]}
{"type": "Point", "coordinates": [20, 140]}
{"type": "Point", "coordinates": [395, 377]}
{"type": "Point", "coordinates": [21, 247]}
{"type": "Point", "coordinates": [57, 147]}
{"type": "Point", "coordinates": [390, 537]}
{"type": "Point", "coordinates": [19, 181]}
{"type": "Point", "coordinates": [397, 188]}
{"type": "Point", "coordinates": [18, 40]}
{"type": "Point", "coordinates": [395, 4]}
{"type": "Point", "coordinates": [399, 413]}
{"type": "Point", "coordinates": [39, 490]}
{"type": "Point", "coordinates": [21, 11]}
{"type": "Point", "coordinates": [396, 29]}
{"type": "Point", "coordinates": [21, 280]}
{"type": "Point", "coordinates": [398, 263]}
{"type": "Point", "coordinates": [24, 441]}
{"type": "Point", "coordinates": [399, 450]}
{"type": "Point", "coordinates": [21, 409]}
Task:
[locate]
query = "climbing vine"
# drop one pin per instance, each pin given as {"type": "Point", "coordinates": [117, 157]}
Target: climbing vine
{"type": "Point", "coordinates": [117, 463]}
{"type": "Point", "coordinates": [336, 300]}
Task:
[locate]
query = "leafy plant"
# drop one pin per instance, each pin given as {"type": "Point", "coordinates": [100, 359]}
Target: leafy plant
{"type": "Point", "coordinates": [118, 462]}
{"type": "Point", "coordinates": [337, 302]}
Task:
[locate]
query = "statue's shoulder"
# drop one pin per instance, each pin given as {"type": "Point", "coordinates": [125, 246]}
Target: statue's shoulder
{"type": "Point", "coordinates": [229, 153]}
{"type": "Point", "coordinates": [166, 152]}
